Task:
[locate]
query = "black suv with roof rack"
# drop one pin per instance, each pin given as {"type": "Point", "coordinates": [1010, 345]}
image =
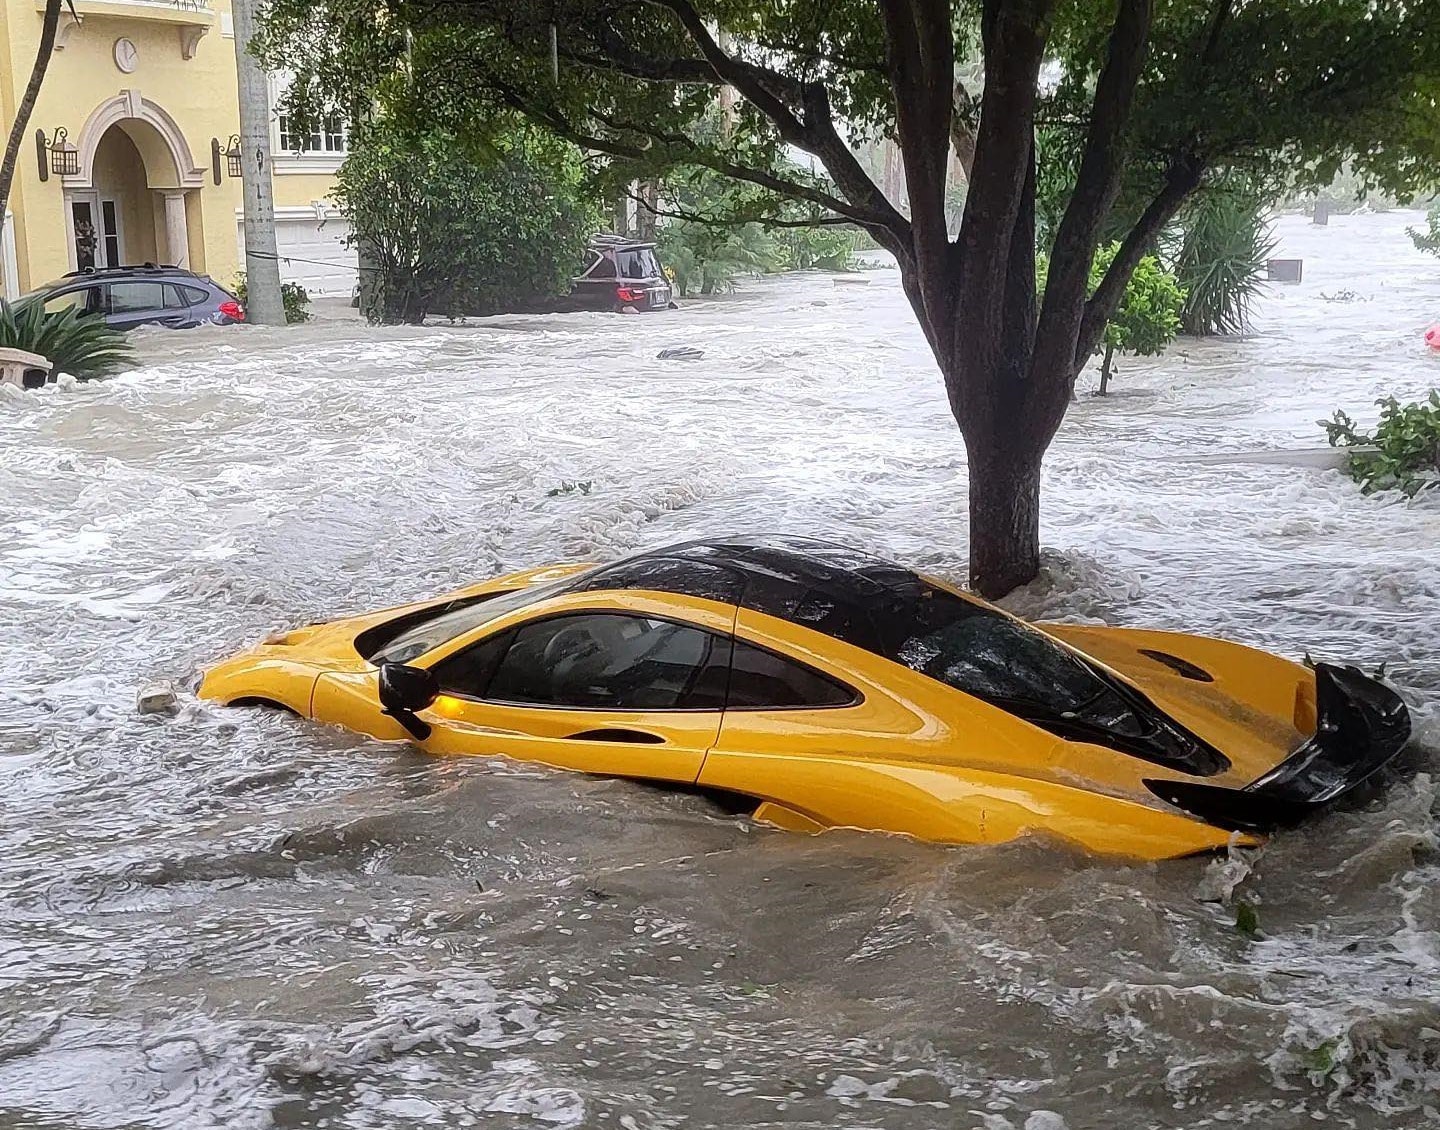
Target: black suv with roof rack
{"type": "Point", "coordinates": [147, 294]}
{"type": "Point", "coordinates": [620, 274]}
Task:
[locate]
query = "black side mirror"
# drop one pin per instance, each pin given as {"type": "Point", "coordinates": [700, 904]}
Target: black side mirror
{"type": "Point", "coordinates": [403, 691]}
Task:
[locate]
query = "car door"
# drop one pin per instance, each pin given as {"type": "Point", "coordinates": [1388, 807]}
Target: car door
{"type": "Point", "coordinates": [83, 300]}
{"type": "Point", "coordinates": [809, 741]}
{"type": "Point", "coordinates": [180, 305]}
{"type": "Point", "coordinates": [613, 693]}
{"type": "Point", "coordinates": [133, 302]}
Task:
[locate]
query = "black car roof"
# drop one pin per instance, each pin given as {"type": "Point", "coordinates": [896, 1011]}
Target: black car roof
{"type": "Point", "coordinates": [833, 589]}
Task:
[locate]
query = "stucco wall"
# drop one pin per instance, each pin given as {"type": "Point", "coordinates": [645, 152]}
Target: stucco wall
{"type": "Point", "coordinates": [198, 94]}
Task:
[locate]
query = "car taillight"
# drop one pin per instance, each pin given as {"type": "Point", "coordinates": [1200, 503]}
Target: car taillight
{"type": "Point", "coordinates": [629, 294]}
{"type": "Point", "coordinates": [233, 309]}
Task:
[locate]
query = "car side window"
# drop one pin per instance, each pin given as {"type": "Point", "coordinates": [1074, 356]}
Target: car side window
{"type": "Point", "coordinates": [136, 297]}
{"type": "Point", "coordinates": [178, 296]}
{"type": "Point", "coordinates": [468, 672]}
{"type": "Point", "coordinates": [609, 661]}
{"type": "Point", "coordinates": [761, 680]}
{"type": "Point", "coordinates": [83, 301]}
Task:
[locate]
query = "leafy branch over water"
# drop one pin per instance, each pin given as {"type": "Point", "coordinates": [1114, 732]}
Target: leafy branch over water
{"type": "Point", "coordinates": [1403, 453]}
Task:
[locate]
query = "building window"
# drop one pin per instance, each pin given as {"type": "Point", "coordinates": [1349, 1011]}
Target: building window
{"type": "Point", "coordinates": [332, 136]}
{"type": "Point", "coordinates": [336, 135]}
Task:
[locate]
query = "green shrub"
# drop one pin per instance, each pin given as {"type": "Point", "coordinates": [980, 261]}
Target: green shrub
{"type": "Point", "coordinates": [81, 345]}
{"type": "Point", "coordinates": [294, 297]}
{"type": "Point", "coordinates": [828, 248]}
{"type": "Point", "coordinates": [1149, 315]}
{"type": "Point", "coordinates": [458, 228]}
{"type": "Point", "coordinates": [706, 257]}
{"type": "Point", "coordinates": [1429, 239]}
{"type": "Point", "coordinates": [1406, 441]}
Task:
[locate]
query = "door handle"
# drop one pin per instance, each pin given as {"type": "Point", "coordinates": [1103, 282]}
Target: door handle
{"type": "Point", "coordinates": [617, 734]}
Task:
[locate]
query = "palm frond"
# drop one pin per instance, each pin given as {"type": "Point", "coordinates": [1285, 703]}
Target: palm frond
{"type": "Point", "coordinates": [1221, 260]}
{"type": "Point", "coordinates": [81, 345]}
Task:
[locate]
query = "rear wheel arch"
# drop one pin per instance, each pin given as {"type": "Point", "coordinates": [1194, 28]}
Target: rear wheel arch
{"type": "Point", "coordinates": [264, 704]}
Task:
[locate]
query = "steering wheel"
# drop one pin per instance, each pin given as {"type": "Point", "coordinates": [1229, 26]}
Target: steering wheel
{"type": "Point", "coordinates": [572, 644]}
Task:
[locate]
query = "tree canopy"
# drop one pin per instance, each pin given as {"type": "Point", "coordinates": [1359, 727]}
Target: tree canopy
{"type": "Point", "coordinates": [1150, 96]}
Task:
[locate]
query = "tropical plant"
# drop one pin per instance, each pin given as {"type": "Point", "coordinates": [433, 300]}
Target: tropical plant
{"type": "Point", "coordinates": [1148, 317]}
{"type": "Point", "coordinates": [81, 345]}
{"type": "Point", "coordinates": [1160, 97]}
{"type": "Point", "coordinates": [1219, 257]}
{"type": "Point", "coordinates": [706, 256]}
{"type": "Point", "coordinates": [1429, 239]}
{"type": "Point", "coordinates": [820, 248]}
{"type": "Point", "coordinates": [294, 297]}
{"type": "Point", "coordinates": [706, 259]}
{"type": "Point", "coordinates": [457, 228]}
{"type": "Point", "coordinates": [1402, 453]}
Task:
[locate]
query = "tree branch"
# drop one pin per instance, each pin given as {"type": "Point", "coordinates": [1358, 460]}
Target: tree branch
{"type": "Point", "coordinates": [963, 117]}
{"type": "Point", "coordinates": [920, 52]}
{"type": "Point", "coordinates": [1182, 179]}
{"type": "Point", "coordinates": [1219, 17]}
{"type": "Point", "coordinates": [1014, 35]}
{"type": "Point", "coordinates": [775, 182]}
{"type": "Point", "coordinates": [920, 56]}
{"type": "Point", "coordinates": [1096, 185]}
{"type": "Point", "coordinates": [737, 221]}
{"type": "Point", "coordinates": [692, 154]}
{"type": "Point", "coordinates": [50, 22]}
{"type": "Point", "coordinates": [815, 133]}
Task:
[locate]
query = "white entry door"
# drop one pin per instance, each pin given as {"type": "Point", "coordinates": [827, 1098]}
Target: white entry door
{"type": "Point", "coordinates": [95, 236]}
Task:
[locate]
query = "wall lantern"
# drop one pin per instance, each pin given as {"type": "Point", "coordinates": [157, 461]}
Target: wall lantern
{"type": "Point", "coordinates": [56, 155]}
{"type": "Point", "coordinates": [231, 153]}
{"type": "Point", "coordinates": [232, 157]}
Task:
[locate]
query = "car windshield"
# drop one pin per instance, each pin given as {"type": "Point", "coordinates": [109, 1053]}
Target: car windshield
{"type": "Point", "coordinates": [638, 264]}
{"type": "Point", "coordinates": [985, 653]}
{"type": "Point", "coordinates": [407, 638]}
{"type": "Point", "coordinates": [1005, 662]}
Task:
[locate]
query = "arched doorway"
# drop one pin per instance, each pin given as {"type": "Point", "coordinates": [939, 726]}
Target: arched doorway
{"type": "Point", "coordinates": [113, 222]}
{"type": "Point", "coordinates": [128, 203]}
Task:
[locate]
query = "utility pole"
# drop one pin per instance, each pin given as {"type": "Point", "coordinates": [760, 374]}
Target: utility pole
{"type": "Point", "coordinates": [262, 262]}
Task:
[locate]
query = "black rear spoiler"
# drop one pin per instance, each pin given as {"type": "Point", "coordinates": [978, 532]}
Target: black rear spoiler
{"type": "Point", "coordinates": [1361, 726]}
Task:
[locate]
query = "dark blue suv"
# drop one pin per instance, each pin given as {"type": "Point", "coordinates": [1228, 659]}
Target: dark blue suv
{"type": "Point", "coordinates": [144, 295]}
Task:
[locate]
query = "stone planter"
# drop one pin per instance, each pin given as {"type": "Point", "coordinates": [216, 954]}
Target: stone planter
{"type": "Point", "coordinates": [22, 369]}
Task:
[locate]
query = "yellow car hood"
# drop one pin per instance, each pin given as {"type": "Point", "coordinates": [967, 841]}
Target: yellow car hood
{"type": "Point", "coordinates": [1254, 707]}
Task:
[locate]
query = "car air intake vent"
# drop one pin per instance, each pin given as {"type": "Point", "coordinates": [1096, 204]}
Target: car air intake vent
{"type": "Point", "coordinates": [1182, 667]}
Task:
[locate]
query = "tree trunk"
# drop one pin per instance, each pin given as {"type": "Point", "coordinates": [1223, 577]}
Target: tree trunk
{"type": "Point", "coordinates": [646, 209]}
{"type": "Point", "coordinates": [27, 102]}
{"type": "Point", "coordinates": [1105, 370]}
{"type": "Point", "coordinates": [1004, 514]}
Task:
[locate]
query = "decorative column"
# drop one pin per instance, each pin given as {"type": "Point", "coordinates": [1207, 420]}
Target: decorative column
{"type": "Point", "coordinates": [177, 233]}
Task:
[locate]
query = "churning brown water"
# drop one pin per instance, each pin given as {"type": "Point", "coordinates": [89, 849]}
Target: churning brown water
{"type": "Point", "coordinates": [227, 918]}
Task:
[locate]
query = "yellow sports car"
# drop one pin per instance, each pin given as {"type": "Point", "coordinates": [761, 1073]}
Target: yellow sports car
{"type": "Point", "coordinates": [831, 689]}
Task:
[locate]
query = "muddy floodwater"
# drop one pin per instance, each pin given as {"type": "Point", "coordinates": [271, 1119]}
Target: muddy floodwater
{"type": "Point", "coordinates": [227, 918]}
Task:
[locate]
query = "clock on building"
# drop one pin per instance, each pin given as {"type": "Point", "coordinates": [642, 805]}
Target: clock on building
{"type": "Point", "coordinates": [126, 56]}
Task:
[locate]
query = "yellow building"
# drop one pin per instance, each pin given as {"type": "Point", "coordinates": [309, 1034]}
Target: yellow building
{"type": "Point", "coordinates": [145, 93]}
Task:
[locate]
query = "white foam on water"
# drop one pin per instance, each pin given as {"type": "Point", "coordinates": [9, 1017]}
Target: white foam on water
{"type": "Point", "coordinates": [230, 918]}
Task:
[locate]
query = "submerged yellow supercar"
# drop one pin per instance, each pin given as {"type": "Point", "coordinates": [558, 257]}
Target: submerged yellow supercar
{"type": "Point", "coordinates": [834, 689]}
